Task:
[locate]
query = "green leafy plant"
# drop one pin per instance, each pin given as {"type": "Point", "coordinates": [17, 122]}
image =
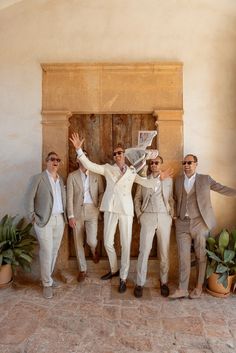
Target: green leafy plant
{"type": "Point", "coordinates": [221, 255]}
{"type": "Point", "coordinates": [16, 243]}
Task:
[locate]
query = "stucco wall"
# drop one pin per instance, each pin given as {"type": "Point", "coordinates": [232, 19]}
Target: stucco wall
{"type": "Point", "coordinates": [201, 34]}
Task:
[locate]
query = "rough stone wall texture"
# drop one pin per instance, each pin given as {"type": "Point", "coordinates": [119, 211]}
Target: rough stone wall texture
{"type": "Point", "coordinates": [201, 34]}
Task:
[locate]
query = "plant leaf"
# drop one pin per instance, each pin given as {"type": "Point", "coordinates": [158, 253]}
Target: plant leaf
{"type": "Point", "coordinates": [210, 269]}
{"type": "Point", "coordinates": [223, 239]}
{"type": "Point", "coordinates": [229, 255]}
{"type": "Point", "coordinates": [223, 279]}
{"type": "Point", "coordinates": [213, 256]}
{"type": "Point", "coordinates": [221, 268]}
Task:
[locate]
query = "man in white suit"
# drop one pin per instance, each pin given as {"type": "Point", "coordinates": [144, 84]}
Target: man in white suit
{"type": "Point", "coordinates": [117, 205]}
{"type": "Point", "coordinates": [154, 210]}
{"type": "Point", "coordinates": [84, 195]}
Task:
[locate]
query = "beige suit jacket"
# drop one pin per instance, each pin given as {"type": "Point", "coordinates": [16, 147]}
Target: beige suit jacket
{"type": "Point", "coordinates": [39, 199]}
{"type": "Point", "coordinates": [117, 197]}
{"type": "Point", "coordinates": [75, 192]}
{"type": "Point", "coordinates": [143, 194]}
{"type": "Point", "coordinates": [204, 184]}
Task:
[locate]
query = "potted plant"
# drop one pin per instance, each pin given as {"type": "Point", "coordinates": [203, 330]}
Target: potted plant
{"type": "Point", "coordinates": [221, 262]}
{"type": "Point", "coordinates": [16, 247]}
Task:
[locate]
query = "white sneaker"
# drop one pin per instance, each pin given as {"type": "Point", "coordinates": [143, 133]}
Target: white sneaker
{"type": "Point", "coordinates": [47, 292]}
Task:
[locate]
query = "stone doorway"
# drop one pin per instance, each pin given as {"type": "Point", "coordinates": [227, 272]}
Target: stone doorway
{"type": "Point", "coordinates": [155, 89]}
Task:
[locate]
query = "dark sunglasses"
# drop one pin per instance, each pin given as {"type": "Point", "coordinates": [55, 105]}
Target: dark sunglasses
{"type": "Point", "coordinates": [54, 159]}
{"type": "Point", "coordinates": [156, 163]}
{"type": "Point", "coordinates": [117, 153]}
{"type": "Point", "coordinates": [188, 162]}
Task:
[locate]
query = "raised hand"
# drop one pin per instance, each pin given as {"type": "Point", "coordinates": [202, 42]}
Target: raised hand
{"type": "Point", "coordinates": [168, 173]}
{"type": "Point", "coordinates": [77, 142]}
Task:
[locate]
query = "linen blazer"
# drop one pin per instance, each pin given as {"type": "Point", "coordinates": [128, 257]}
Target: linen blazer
{"type": "Point", "coordinates": [143, 195]}
{"type": "Point", "coordinates": [204, 184]}
{"type": "Point", "coordinates": [75, 192]}
{"type": "Point", "coordinates": [39, 199]}
{"type": "Point", "coordinates": [117, 197]}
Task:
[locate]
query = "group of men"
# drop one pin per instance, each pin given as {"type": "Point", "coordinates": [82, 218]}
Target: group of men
{"type": "Point", "coordinates": [155, 205]}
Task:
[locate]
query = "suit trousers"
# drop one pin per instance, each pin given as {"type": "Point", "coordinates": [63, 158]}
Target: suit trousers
{"type": "Point", "coordinates": [125, 227]}
{"type": "Point", "coordinates": [86, 223]}
{"type": "Point", "coordinates": [151, 224]}
{"type": "Point", "coordinates": [186, 231]}
{"type": "Point", "coordinates": [49, 238]}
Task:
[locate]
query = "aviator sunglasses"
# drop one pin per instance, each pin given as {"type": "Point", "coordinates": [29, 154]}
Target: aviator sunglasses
{"type": "Point", "coordinates": [117, 153]}
{"type": "Point", "coordinates": [188, 162]}
{"type": "Point", "coordinates": [54, 159]}
{"type": "Point", "coordinates": [156, 163]}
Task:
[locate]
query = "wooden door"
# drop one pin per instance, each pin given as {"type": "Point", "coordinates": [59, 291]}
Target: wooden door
{"type": "Point", "coordinates": [102, 132]}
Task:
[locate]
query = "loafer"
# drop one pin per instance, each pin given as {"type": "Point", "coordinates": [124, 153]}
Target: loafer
{"type": "Point", "coordinates": [109, 275]}
{"type": "Point", "coordinates": [195, 293]}
{"type": "Point", "coordinates": [165, 290]}
{"type": "Point", "coordinates": [122, 287]}
{"type": "Point", "coordinates": [47, 292]}
{"type": "Point", "coordinates": [81, 276]}
{"type": "Point", "coordinates": [138, 291]}
{"type": "Point", "coordinates": [179, 293]}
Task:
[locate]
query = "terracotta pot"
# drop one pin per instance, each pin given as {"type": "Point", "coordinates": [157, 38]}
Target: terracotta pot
{"type": "Point", "coordinates": [216, 287]}
{"type": "Point", "coordinates": [5, 275]}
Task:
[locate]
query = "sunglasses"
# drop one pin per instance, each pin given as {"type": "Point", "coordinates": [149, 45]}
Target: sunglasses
{"type": "Point", "coordinates": [54, 159]}
{"type": "Point", "coordinates": [117, 153]}
{"type": "Point", "coordinates": [156, 163]}
{"type": "Point", "coordinates": [188, 162]}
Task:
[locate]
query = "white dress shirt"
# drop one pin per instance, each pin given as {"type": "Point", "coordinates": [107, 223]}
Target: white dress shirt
{"type": "Point", "coordinates": [57, 207]}
{"type": "Point", "coordinates": [85, 180]}
{"type": "Point", "coordinates": [189, 182]}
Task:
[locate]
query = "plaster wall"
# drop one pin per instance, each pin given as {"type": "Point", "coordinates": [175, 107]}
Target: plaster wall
{"type": "Point", "coordinates": [201, 34]}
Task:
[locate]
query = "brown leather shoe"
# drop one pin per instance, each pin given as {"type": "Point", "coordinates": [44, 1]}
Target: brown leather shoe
{"type": "Point", "coordinates": [95, 258]}
{"type": "Point", "coordinates": [81, 276]}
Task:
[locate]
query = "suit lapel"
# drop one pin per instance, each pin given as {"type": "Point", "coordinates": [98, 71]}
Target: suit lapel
{"type": "Point", "coordinates": [78, 179]}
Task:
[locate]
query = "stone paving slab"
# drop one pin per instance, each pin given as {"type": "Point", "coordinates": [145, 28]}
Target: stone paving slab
{"type": "Point", "coordinates": [92, 317]}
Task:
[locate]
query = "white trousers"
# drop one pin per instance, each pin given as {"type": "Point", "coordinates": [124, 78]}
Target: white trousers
{"type": "Point", "coordinates": [125, 227]}
{"type": "Point", "coordinates": [49, 238]}
{"type": "Point", "coordinates": [151, 224]}
{"type": "Point", "coordinates": [87, 223]}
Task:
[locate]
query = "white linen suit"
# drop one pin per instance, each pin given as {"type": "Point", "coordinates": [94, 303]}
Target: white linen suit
{"type": "Point", "coordinates": [117, 203]}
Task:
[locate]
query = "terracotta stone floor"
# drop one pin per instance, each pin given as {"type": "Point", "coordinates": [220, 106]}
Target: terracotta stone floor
{"type": "Point", "coordinates": [93, 317]}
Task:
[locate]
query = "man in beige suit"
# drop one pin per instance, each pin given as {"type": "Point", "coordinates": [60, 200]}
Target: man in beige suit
{"type": "Point", "coordinates": [154, 210]}
{"type": "Point", "coordinates": [45, 205]}
{"type": "Point", "coordinates": [194, 220]}
{"type": "Point", "coordinates": [84, 193]}
{"type": "Point", "coordinates": [117, 205]}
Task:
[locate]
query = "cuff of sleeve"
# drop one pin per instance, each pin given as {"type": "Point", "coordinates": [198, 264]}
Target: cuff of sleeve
{"type": "Point", "coordinates": [79, 152]}
{"type": "Point", "coordinates": [71, 216]}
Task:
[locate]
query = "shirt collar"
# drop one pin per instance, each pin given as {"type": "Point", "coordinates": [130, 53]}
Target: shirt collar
{"type": "Point", "coordinates": [191, 178]}
{"type": "Point", "coordinates": [50, 175]}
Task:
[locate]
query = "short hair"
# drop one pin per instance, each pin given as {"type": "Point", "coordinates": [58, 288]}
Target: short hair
{"type": "Point", "coordinates": [50, 154]}
{"type": "Point", "coordinates": [119, 145]}
{"type": "Point", "coordinates": [192, 155]}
